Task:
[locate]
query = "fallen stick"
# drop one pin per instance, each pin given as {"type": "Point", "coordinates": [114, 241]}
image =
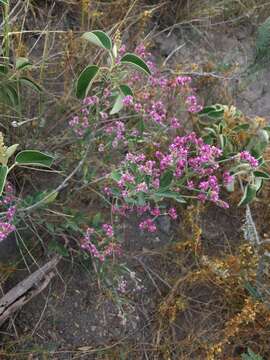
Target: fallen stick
{"type": "Point", "coordinates": [19, 295]}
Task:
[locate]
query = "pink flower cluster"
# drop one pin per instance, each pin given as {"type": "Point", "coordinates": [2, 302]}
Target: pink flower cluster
{"type": "Point", "coordinates": [246, 156]}
{"type": "Point", "coordinates": [227, 178]}
{"type": "Point", "coordinates": [161, 90]}
{"type": "Point", "coordinates": [142, 52]}
{"type": "Point", "coordinates": [173, 213]}
{"type": "Point", "coordinates": [128, 100]}
{"type": "Point", "coordinates": [80, 123]}
{"type": "Point", "coordinates": [193, 105]}
{"type": "Point", "coordinates": [158, 111]}
{"type": "Point", "coordinates": [108, 230]}
{"type": "Point", "coordinates": [148, 225]}
{"type": "Point", "coordinates": [193, 164]}
{"type": "Point", "coordinates": [97, 249]}
{"type": "Point", "coordinates": [183, 80]}
{"type": "Point", "coordinates": [117, 129]}
{"type": "Point", "coordinates": [5, 229]}
{"type": "Point", "coordinates": [87, 244]}
{"type": "Point", "coordinates": [7, 200]}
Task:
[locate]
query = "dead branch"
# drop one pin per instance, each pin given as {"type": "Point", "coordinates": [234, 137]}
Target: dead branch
{"type": "Point", "coordinates": [23, 292]}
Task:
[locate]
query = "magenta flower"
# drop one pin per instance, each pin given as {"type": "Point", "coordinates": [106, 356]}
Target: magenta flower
{"type": "Point", "coordinates": [142, 187]}
{"type": "Point", "coordinates": [175, 124]}
{"type": "Point", "coordinates": [246, 156]}
{"type": "Point", "coordinates": [128, 100]}
{"type": "Point", "coordinates": [172, 213]}
{"type": "Point", "coordinates": [227, 178]}
{"type": "Point", "coordinates": [108, 230]}
{"type": "Point", "coordinates": [155, 212]}
{"type": "Point", "coordinates": [87, 245]}
{"type": "Point", "coordinates": [148, 225]}
{"type": "Point", "coordinates": [5, 229]}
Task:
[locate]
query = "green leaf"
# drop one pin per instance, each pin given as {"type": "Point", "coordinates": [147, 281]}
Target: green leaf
{"type": "Point", "coordinates": [33, 157]}
{"type": "Point", "coordinates": [258, 183]}
{"type": "Point", "coordinates": [207, 109]}
{"type": "Point", "coordinates": [242, 127]}
{"type": "Point", "coordinates": [262, 174]}
{"type": "Point", "coordinates": [222, 141]}
{"type": "Point", "coordinates": [216, 114]}
{"type": "Point", "coordinates": [249, 194]}
{"type": "Point", "coordinates": [210, 131]}
{"type": "Point", "coordinates": [30, 83]}
{"type": "Point", "coordinates": [4, 97]}
{"type": "Point", "coordinates": [12, 95]}
{"type": "Point", "coordinates": [85, 80]}
{"type": "Point", "coordinates": [208, 139]}
{"type": "Point", "coordinates": [118, 105]}
{"type": "Point", "coordinates": [11, 150]}
{"type": "Point", "coordinates": [22, 63]}
{"type": "Point", "coordinates": [126, 90]}
{"type": "Point", "coordinates": [170, 195]}
{"type": "Point", "coordinates": [136, 61]}
{"type": "Point", "coordinates": [98, 38]}
{"type": "Point", "coordinates": [115, 175]}
{"type": "Point", "coordinates": [50, 199]}
{"type": "Point", "coordinates": [252, 291]}
{"type": "Point", "coordinates": [213, 110]}
{"type": "Point", "coordinates": [3, 177]}
{"type": "Point", "coordinates": [166, 179]}
{"type": "Point", "coordinates": [5, 2]}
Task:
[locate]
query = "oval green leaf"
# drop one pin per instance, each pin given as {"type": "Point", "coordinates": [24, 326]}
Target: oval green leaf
{"type": "Point", "coordinates": [28, 82]}
{"type": "Point", "coordinates": [22, 63]}
{"type": "Point", "coordinates": [132, 59]}
{"type": "Point", "coordinates": [126, 90]}
{"type": "Point", "coordinates": [262, 175]}
{"type": "Point", "coordinates": [85, 81]}
{"type": "Point", "coordinates": [115, 175]}
{"type": "Point", "coordinates": [12, 95]}
{"type": "Point", "coordinates": [166, 179]}
{"type": "Point", "coordinates": [10, 151]}
{"type": "Point", "coordinates": [3, 177]}
{"type": "Point", "coordinates": [118, 105]}
{"type": "Point", "coordinates": [33, 157]}
{"type": "Point", "coordinates": [249, 194]}
{"type": "Point", "coordinates": [216, 114]}
{"type": "Point", "coordinates": [242, 127]}
{"type": "Point", "coordinates": [98, 38]}
{"type": "Point", "coordinates": [207, 109]}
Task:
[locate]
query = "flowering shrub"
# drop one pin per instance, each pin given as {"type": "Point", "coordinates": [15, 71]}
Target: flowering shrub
{"type": "Point", "coordinates": [154, 155]}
